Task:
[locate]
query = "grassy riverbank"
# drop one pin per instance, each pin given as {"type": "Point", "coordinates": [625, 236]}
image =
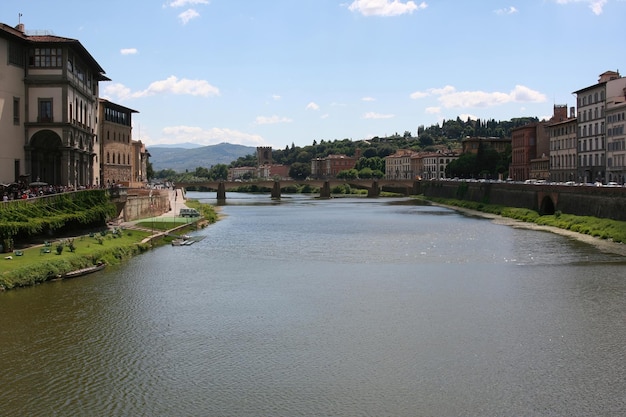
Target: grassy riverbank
{"type": "Point", "coordinates": [39, 263]}
{"type": "Point", "coordinates": [606, 229]}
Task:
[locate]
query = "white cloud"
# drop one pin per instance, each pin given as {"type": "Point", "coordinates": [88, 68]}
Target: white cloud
{"type": "Point", "coordinates": [128, 51]}
{"type": "Point", "coordinates": [596, 6]}
{"type": "Point", "coordinates": [384, 7]}
{"type": "Point", "coordinates": [312, 106]}
{"type": "Point", "coordinates": [276, 97]}
{"type": "Point", "coordinates": [450, 98]}
{"type": "Point", "coordinates": [187, 15]}
{"type": "Point", "coordinates": [373, 115]}
{"type": "Point", "coordinates": [325, 116]}
{"type": "Point", "coordinates": [433, 110]}
{"type": "Point", "coordinates": [200, 136]}
{"type": "Point", "coordinates": [507, 10]}
{"type": "Point", "coordinates": [116, 90]}
{"type": "Point", "coordinates": [184, 3]}
{"type": "Point", "coordinates": [419, 94]}
{"type": "Point", "coordinates": [171, 85]}
{"type": "Point", "coordinates": [368, 99]}
{"type": "Point", "coordinates": [264, 120]}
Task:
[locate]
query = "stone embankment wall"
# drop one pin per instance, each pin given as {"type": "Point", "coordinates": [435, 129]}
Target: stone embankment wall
{"type": "Point", "coordinates": [602, 202]}
{"type": "Point", "coordinates": [140, 205]}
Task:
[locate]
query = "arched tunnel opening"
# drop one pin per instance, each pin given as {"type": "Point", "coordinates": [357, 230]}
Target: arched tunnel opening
{"type": "Point", "coordinates": [547, 206]}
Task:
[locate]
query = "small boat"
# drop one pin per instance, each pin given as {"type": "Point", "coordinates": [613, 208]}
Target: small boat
{"type": "Point", "coordinates": [186, 240]}
{"type": "Point", "coordinates": [84, 271]}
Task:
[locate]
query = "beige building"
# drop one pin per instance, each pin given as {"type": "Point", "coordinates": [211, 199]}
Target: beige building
{"type": "Point", "coordinates": [563, 144]}
{"type": "Point", "coordinates": [434, 164]}
{"type": "Point", "coordinates": [399, 166]}
{"type": "Point", "coordinates": [49, 88]}
{"type": "Point", "coordinates": [592, 106]}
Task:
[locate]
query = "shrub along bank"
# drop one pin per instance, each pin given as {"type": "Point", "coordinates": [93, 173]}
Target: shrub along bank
{"type": "Point", "coordinates": [593, 226]}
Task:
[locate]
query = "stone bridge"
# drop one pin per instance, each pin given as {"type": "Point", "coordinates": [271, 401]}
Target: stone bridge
{"type": "Point", "coordinates": [373, 187]}
{"type": "Point", "coordinates": [603, 202]}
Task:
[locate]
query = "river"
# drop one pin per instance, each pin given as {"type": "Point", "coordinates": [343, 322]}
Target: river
{"type": "Point", "coordinates": [340, 307]}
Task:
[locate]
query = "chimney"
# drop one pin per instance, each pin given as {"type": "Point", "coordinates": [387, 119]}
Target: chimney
{"type": "Point", "coordinates": [20, 27]}
{"type": "Point", "coordinates": [572, 112]}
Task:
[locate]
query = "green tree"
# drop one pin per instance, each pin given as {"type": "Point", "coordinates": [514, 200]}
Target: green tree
{"type": "Point", "coordinates": [165, 174]}
{"type": "Point", "coordinates": [149, 171]}
{"type": "Point", "coordinates": [299, 170]}
{"type": "Point", "coordinates": [463, 167]}
{"type": "Point", "coordinates": [366, 173]}
{"type": "Point", "coordinates": [219, 172]}
{"type": "Point", "coordinates": [348, 174]}
{"type": "Point", "coordinates": [202, 172]}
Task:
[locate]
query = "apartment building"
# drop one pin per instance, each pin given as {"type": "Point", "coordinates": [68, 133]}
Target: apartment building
{"type": "Point", "coordinates": [562, 131]}
{"type": "Point", "coordinates": [592, 125]}
{"type": "Point", "coordinates": [434, 164]}
{"type": "Point", "coordinates": [399, 165]}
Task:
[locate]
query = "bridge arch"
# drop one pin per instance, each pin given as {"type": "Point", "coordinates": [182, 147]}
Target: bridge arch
{"type": "Point", "coordinates": [546, 206]}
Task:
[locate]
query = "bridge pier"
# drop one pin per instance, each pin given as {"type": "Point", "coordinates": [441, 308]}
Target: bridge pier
{"type": "Point", "coordinates": [276, 190]}
{"type": "Point", "coordinates": [221, 192]}
{"type": "Point", "coordinates": [325, 190]}
{"type": "Point", "coordinates": [374, 191]}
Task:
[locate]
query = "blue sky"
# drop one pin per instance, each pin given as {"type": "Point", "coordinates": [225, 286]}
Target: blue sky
{"type": "Point", "coordinates": [277, 72]}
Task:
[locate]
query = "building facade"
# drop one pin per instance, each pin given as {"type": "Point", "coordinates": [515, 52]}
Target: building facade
{"type": "Point", "coordinates": [562, 132]}
{"type": "Point", "coordinates": [434, 164]}
{"type": "Point", "coordinates": [331, 165]}
{"type": "Point", "coordinates": [592, 103]}
{"type": "Point", "coordinates": [116, 146]}
{"type": "Point", "coordinates": [53, 84]}
{"type": "Point", "coordinates": [400, 166]}
{"type": "Point", "coordinates": [523, 149]}
{"type": "Point", "coordinates": [616, 138]}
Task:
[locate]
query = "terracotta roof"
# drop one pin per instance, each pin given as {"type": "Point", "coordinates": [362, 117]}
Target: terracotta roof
{"type": "Point", "coordinates": [52, 39]}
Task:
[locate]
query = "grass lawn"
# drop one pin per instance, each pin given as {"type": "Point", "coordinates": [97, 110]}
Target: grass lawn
{"type": "Point", "coordinates": [82, 245]}
{"type": "Point", "coordinates": [41, 263]}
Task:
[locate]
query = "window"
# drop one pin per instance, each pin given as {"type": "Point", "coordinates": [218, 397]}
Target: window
{"type": "Point", "coordinates": [45, 110]}
{"type": "Point", "coordinates": [46, 57]}
{"type": "Point", "coordinates": [16, 111]}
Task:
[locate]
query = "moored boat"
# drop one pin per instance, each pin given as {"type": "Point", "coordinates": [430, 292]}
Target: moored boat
{"type": "Point", "coordinates": [84, 271]}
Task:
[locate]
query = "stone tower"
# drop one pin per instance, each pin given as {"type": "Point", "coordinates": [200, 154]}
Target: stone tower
{"type": "Point", "coordinates": [264, 155]}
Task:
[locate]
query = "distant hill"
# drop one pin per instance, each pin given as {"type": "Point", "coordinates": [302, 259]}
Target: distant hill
{"type": "Point", "coordinates": [181, 159]}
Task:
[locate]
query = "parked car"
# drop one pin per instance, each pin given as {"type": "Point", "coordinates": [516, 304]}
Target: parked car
{"type": "Point", "coordinates": [189, 212]}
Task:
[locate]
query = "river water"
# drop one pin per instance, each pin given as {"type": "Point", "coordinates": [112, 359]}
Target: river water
{"type": "Point", "coordinates": [341, 307]}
